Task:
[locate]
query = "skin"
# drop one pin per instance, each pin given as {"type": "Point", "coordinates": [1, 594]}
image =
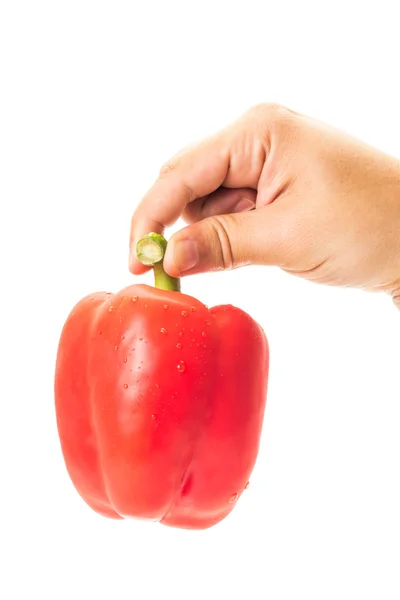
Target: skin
{"type": "Point", "coordinates": [279, 188]}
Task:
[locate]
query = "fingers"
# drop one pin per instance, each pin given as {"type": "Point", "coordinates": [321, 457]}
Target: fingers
{"type": "Point", "coordinates": [226, 242]}
{"type": "Point", "coordinates": [233, 158]}
{"type": "Point", "coordinates": [196, 173]}
{"type": "Point", "coordinates": [223, 201]}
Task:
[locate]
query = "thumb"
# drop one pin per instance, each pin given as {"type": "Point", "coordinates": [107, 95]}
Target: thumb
{"type": "Point", "coordinates": [225, 242]}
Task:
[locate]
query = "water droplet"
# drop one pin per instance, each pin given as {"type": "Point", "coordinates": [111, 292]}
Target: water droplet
{"type": "Point", "coordinates": [207, 322]}
{"type": "Point", "coordinates": [203, 333]}
{"type": "Point", "coordinates": [246, 487]}
{"type": "Point", "coordinates": [163, 330]}
{"type": "Point", "coordinates": [145, 305]}
{"type": "Point", "coordinates": [115, 347]}
{"type": "Point", "coordinates": [100, 332]}
{"type": "Point", "coordinates": [181, 334]}
{"type": "Point", "coordinates": [125, 385]}
{"type": "Point", "coordinates": [179, 345]}
{"type": "Point", "coordinates": [184, 313]}
{"type": "Point", "coordinates": [125, 360]}
{"type": "Point", "coordinates": [181, 366]}
{"type": "Point", "coordinates": [122, 337]}
{"type": "Point", "coordinates": [134, 298]}
{"type": "Point", "coordinates": [111, 309]}
{"type": "Point", "coordinates": [233, 498]}
{"type": "Point", "coordinates": [191, 329]}
{"type": "Point", "coordinates": [140, 339]}
{"type": "Point", "coordinates": [166, 306]}
{"type": "Point", "coordinates": [153, 417]}
{"type": "Point", "coordinates": [157, 385]}
{"type": "Point", "coordinates": [193, 309]}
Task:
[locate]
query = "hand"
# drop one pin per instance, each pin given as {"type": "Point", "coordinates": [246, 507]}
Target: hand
{"type": "Point", "coordinates": [279, 188]}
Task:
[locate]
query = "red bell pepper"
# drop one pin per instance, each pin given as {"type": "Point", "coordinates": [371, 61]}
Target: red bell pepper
{"type": "Point", "coordinates": [160, 401]}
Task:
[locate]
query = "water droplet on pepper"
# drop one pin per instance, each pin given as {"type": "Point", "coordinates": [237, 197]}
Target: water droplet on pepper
{"type": "Point", "coordinates": [184, 313]}
{"type": "Point", "coordinates": [181, 366]}
{"type": "Point", "coordinates": [163, 330]}
{"type": "Point", "coordinates": [233, 498]}
{"type": "Point", "coordinates": [134, 298]}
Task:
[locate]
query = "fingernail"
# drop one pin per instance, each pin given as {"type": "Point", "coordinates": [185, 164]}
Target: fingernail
{"type": "Point", "coordinates": [186, 254]}
{"type": "Point", "coordinates": [243, 205]}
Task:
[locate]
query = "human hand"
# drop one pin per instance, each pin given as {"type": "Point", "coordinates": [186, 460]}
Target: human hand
{"type": "Point", "coordinates": [279, 188]}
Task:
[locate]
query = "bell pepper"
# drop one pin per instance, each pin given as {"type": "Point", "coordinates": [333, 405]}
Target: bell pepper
{"type": "Point", "coordinates": [160, 400]}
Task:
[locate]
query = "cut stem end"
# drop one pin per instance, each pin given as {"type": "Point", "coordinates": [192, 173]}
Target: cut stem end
{"type": "Point", "coordinates": [150, 251]}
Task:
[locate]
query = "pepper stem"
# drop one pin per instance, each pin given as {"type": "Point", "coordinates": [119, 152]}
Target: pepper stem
{"type": "Point", "coordinates": [150, 251]}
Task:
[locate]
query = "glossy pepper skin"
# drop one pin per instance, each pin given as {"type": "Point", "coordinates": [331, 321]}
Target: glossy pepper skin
{"type": "Point", "coordinates": [160, 404]}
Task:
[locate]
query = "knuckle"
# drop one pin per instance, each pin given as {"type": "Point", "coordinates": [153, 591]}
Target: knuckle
{"type": "Point", "coordinates": [273, 113]}
{"type": "Point", "coordinates": [222, 230]}
{"type": "Point", "coordinates": [167, 167]}
{"type": "Point", "coordinates": [268, 108]}
{"type": "Point", "coordinates": [177, 160]}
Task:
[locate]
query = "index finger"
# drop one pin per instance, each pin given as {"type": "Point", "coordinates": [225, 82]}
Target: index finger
{"type": "Point", "coordinates": [194, 174]}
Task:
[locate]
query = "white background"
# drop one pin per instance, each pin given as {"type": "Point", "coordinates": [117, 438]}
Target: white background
{"type": "Point", "coordinates": [95, 96]}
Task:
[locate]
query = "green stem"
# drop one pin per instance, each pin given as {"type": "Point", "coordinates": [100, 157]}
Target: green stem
{"type": "Point", "coordinates": [150, 251]}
